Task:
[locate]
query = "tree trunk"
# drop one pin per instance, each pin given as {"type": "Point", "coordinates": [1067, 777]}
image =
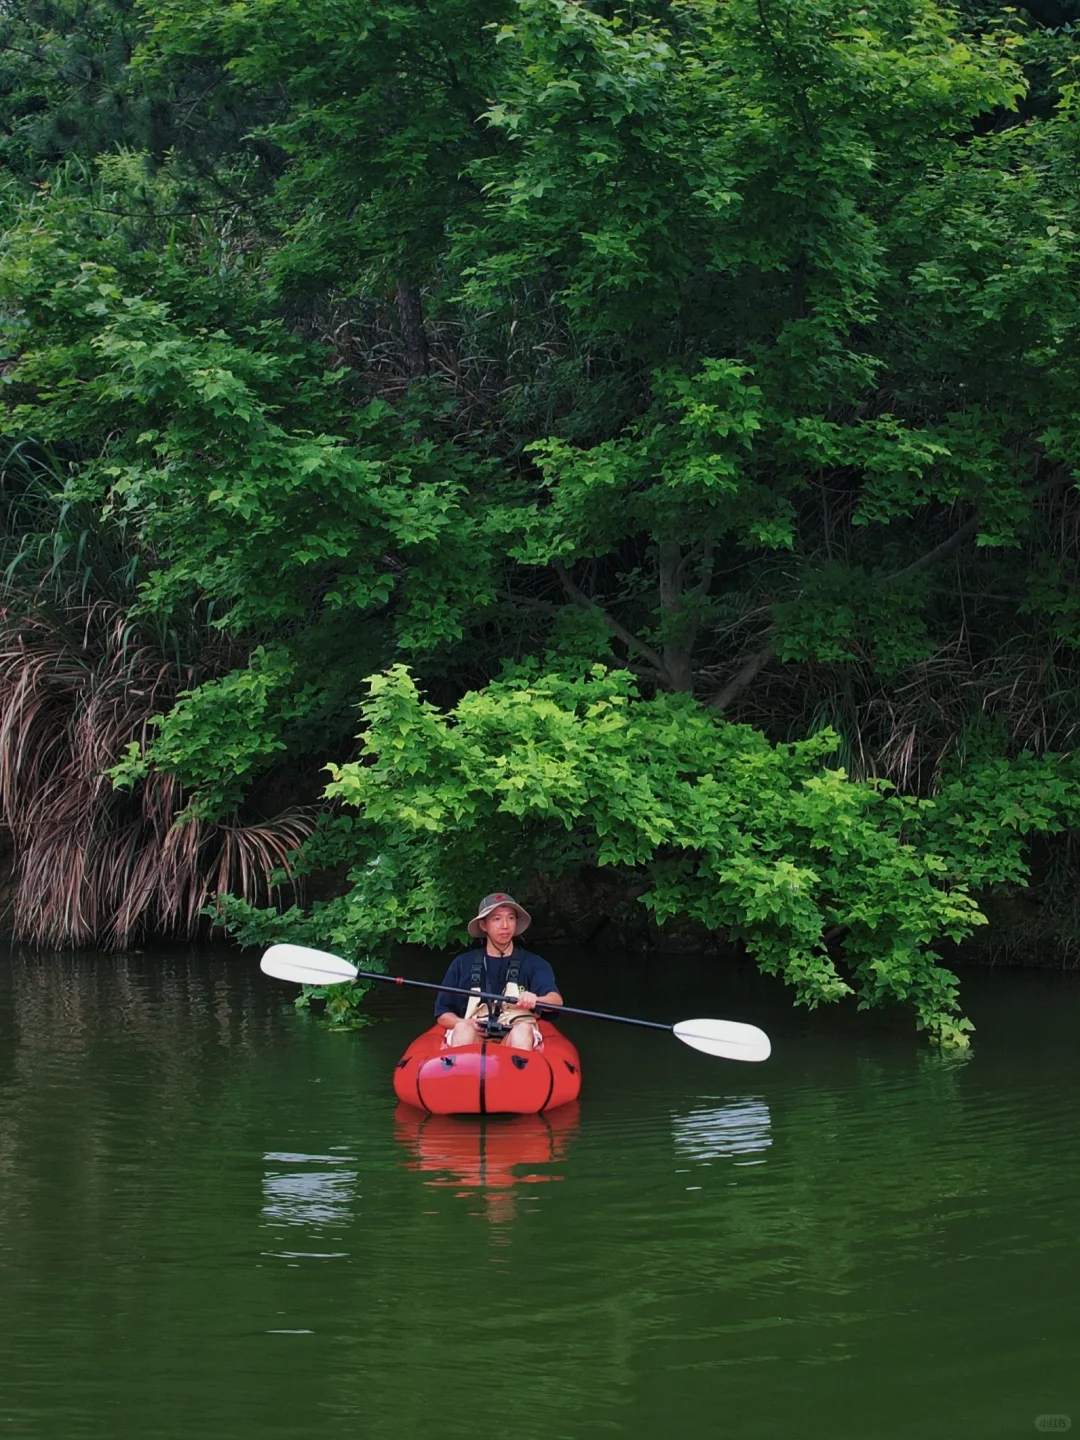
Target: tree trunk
{"type": "Point", "coordinates": [678, 647]}
{"type": "Point", "coordinates": [414, 340]}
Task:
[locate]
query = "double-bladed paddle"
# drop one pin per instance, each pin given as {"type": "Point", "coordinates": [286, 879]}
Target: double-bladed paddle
{"type": "Point", "coordinates": [726, 1038]}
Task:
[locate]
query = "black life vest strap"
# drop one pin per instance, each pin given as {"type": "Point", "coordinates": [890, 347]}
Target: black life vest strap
{"type": "Point", "coordinates": [476, 982]}
{"type": "Point", "coordinates": [476, 978]}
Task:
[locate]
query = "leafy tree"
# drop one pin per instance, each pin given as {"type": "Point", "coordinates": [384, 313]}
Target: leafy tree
{"type": "Point", "coordinates": [734, 344]}
{"type": "Point", "coordinates": [71, 88]}
{"type": "Point", "coordinates": [836, 886]}
{"type": "Point", "coordinates": [384, 111]}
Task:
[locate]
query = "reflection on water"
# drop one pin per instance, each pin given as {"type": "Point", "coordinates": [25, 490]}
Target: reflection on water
{"type": "Point", "coordinates": [738, 1127]}
{"type": "Point", "coordinates": [214, 1223]}
{"type": "Point", "coordinates": [489, 1155]}
{"type": "Point", "coordinates": [307, 1197]}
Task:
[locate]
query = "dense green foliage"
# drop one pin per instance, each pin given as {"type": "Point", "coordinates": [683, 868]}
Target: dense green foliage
{"type": "Point", "coordinates": [706, 821]}
{"type": "Point", "coordinates": [711, 364]}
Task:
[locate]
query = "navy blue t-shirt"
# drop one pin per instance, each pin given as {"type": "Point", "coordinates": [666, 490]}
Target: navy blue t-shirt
{"type": "Point", "coordinates": [533, 974]}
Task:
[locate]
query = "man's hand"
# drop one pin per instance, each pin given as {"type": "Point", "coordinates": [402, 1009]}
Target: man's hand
{"type": "Point", "coordinates": [526, 1000]}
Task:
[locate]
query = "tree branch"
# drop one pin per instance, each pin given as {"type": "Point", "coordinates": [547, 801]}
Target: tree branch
{"type": "Point", "coordinates": [702, 587]}
{"type": "Point", "coordinates": [527, 602]}
{"type": "Point", "coordinates": [940, 552]}
{"type": "Point", "coordinates": [741, 679]}
{"type": "Point", "coordinates": [626, 636]}
{"type": "Point", "coordinates": [744, 677]}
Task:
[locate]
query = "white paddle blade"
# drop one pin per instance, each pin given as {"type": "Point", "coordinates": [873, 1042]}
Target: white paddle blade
{"type": "Point", "coordinates": [724, 1037]}
{"type": "Point", "coordinates": [306, 967]}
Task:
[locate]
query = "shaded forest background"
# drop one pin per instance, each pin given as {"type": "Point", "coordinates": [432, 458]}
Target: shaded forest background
{"type": "Point", "coordinates": [674, 404]}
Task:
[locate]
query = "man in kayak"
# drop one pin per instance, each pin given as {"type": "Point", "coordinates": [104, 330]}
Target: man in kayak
{"type": "Point", "coordinates": [497, 967]}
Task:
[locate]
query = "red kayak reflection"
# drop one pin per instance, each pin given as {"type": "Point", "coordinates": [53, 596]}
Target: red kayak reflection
{"type": "Point", "coordinates": [488, 1156]}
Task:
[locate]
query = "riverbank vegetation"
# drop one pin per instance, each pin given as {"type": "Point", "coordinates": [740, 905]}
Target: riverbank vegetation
{"type": "Point", "coordinates": [672, 405]}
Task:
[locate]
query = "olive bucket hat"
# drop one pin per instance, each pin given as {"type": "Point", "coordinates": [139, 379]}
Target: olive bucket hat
{"type": "Point", "coordinates": [492, 902]}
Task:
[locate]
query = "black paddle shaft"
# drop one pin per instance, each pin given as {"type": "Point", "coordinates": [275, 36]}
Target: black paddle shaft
{"type": "Point", "coordinates": [561, 1009]}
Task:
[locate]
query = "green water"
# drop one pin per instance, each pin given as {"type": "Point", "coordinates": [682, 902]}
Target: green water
{"type": "Point", "coordinates": [215, 1221]}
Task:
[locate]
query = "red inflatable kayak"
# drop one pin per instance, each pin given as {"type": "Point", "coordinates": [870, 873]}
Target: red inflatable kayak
{"type": "Point", "coordinates": [488, 1079]}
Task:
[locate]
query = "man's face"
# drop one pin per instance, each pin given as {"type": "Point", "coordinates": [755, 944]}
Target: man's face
{"type": "Point", "coordinates": [499, 926]}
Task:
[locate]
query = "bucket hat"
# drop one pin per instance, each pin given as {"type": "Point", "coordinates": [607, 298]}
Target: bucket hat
{"type": "Point", "coordinates": [492, 902]}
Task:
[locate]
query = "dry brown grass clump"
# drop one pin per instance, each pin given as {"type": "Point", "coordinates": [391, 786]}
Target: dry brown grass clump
{"type": "Point", "coordinates": [94, 865]}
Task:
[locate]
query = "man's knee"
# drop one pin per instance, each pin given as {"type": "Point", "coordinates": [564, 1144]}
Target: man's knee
{"type": "Point", "coordinates": [522, 1037]}
{"type": "Point", "coordinates": [463, 1033]}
